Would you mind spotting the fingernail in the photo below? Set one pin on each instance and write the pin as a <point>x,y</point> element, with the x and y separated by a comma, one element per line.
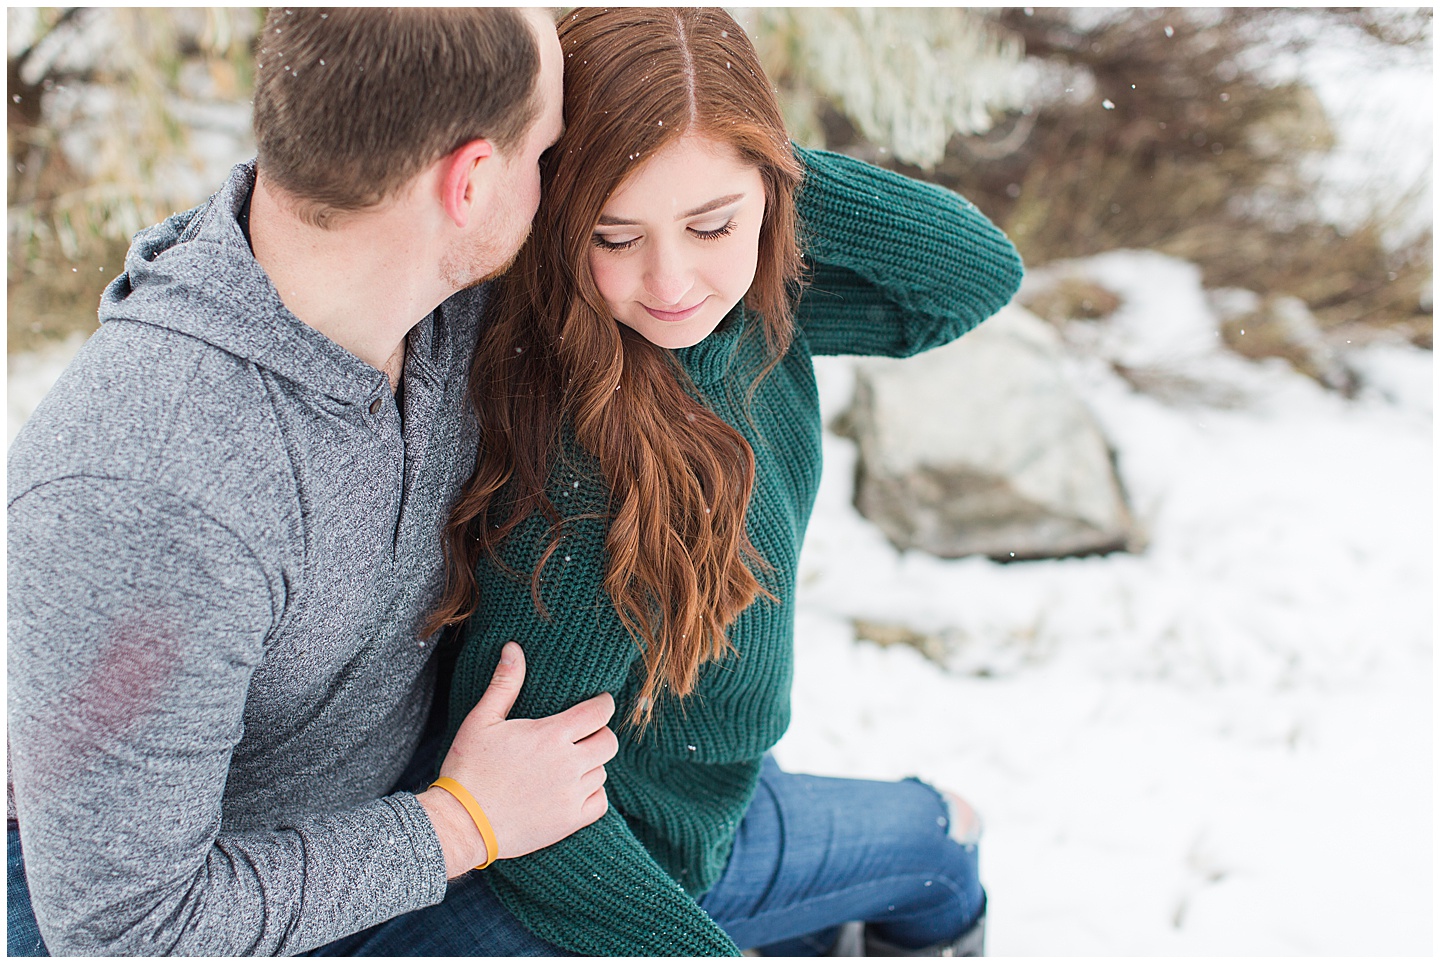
<point>507,654</point>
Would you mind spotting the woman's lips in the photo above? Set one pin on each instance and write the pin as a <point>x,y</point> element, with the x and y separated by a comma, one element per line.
<point>681,315</point>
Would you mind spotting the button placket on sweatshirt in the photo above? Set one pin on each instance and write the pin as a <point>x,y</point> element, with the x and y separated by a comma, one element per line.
<point>383,416</point>
<point>423,396</point>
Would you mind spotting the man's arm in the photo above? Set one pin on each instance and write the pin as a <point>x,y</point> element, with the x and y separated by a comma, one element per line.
<point>136,623</point>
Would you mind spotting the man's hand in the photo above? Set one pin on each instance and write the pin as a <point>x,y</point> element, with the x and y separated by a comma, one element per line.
<point>537,780</point>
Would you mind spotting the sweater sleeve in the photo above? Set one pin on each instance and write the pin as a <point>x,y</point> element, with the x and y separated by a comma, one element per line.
<point>136,622</point>
<point>898,265</point>
<point>598,891</point>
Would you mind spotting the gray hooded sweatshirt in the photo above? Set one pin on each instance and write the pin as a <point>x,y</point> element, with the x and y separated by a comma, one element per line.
<point>223,539</point>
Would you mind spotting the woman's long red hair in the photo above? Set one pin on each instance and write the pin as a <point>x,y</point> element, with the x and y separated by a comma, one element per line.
<point>680,566</point>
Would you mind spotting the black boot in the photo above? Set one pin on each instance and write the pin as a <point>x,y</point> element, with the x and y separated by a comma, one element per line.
<point>969,944</point>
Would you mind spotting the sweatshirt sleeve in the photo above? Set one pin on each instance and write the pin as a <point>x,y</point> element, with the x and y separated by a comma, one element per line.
<point>598,891</point>
<point>136,621</point>
<point>898,265</point>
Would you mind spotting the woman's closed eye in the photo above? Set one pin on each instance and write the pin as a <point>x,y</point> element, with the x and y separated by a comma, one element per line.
<point>701,231</point>
<point>608,244</point>
<point>713,233</point>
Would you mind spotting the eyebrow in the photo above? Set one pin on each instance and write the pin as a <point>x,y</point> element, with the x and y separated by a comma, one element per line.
<point>607,221</point>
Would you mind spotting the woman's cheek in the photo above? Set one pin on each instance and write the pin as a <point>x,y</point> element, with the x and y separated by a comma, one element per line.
<point>743,263</point>
<point>606,276</point>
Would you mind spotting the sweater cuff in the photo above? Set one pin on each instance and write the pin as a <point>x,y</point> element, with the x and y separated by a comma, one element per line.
<point>423,851</point>
<point>928,247</point>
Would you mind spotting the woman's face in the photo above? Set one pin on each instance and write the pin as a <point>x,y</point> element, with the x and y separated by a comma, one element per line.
<point>676,244</point>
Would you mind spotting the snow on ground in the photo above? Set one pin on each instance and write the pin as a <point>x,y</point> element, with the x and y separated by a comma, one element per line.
<point>1220,746</point>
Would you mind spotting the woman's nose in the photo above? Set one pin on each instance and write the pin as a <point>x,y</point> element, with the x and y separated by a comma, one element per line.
<point>668,279</point>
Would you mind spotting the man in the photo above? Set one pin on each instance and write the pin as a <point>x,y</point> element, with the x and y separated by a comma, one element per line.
<point>225,531</point>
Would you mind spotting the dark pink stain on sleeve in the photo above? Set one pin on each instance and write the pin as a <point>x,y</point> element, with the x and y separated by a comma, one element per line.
<point>109,704</point>
<point>137,659</point>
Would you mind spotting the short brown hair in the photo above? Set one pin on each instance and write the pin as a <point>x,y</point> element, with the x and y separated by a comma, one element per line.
<point>350,104</point>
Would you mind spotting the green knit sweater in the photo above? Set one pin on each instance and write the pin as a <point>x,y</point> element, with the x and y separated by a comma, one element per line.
<point>899,266</point>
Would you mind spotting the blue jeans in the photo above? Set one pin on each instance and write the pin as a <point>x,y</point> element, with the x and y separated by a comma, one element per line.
<point>22,937</point>
<point>815,852</point>
<point>811,854</point>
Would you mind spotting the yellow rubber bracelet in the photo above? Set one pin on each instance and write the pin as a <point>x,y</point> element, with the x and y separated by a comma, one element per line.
<point>482,822</point>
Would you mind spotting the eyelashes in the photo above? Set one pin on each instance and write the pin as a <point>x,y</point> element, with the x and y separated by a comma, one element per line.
<point>719,232</point>
<point>714,235</point>
<point>604,245</point>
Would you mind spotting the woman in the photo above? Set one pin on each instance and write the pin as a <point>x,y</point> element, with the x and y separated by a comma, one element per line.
<point>650,449</point>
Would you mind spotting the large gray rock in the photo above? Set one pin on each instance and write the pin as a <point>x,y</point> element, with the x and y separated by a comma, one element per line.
<point>981,448</point>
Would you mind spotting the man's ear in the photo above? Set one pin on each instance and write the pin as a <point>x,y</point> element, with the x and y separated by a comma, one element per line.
<point>464,168</point>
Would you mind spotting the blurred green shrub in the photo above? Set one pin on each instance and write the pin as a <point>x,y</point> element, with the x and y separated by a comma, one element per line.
<point>112,123</point>
<point>1143,128</point>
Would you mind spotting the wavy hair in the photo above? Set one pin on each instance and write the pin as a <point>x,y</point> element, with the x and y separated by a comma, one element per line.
<point>680,566</point>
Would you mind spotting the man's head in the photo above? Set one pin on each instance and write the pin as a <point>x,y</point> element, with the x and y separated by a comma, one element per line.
<point>491,205</point>
<point>352,104</point>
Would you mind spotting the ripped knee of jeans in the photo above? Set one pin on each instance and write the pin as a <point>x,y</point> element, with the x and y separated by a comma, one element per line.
<point>965,826</point>
<point>961,821</point>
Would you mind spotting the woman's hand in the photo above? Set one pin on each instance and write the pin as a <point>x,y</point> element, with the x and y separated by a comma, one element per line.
<point>538,781</point>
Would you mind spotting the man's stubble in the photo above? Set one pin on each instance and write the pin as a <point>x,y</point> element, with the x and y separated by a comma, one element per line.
<point>481,259</point>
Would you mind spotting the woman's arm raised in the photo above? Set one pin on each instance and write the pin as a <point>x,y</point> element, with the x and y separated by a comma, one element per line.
<point>900,265</point>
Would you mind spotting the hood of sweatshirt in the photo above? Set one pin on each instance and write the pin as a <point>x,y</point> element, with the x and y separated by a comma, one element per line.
<point>194,274</point>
